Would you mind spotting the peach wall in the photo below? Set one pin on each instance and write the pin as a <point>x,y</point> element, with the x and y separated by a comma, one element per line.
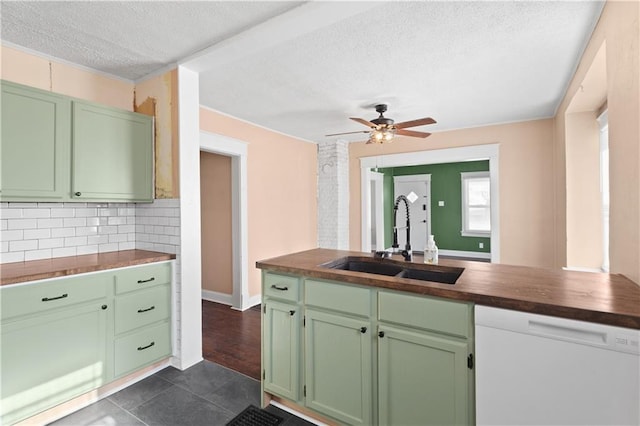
<point>526,182</point>
<point>584,205</point>
<point>619,29</point>
<point>162,92</point>
<point>282,189</point>
<point>215,208</point>
<point>31,70</point>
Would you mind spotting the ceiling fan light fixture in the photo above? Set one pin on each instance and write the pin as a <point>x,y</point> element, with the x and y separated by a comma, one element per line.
<point>382,135</point>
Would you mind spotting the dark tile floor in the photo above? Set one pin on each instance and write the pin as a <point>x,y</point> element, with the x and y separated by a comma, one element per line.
<point>205,394</point>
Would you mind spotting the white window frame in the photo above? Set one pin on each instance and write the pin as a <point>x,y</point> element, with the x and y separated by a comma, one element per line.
<point>464,177</point>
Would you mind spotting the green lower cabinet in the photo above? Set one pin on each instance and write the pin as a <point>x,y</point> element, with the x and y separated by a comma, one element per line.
<point>281,339</point>
<point>423,379</point>
<point>338,367</point>
<point>50,358</point>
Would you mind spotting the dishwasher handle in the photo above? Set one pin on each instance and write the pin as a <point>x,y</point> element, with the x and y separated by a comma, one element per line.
<point>570,333</point>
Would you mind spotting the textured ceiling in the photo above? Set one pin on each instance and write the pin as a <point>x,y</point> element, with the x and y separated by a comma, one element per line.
<point>304,69</point>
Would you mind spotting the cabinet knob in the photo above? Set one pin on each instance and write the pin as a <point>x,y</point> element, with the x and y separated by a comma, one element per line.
<point>363,330</point>
<point>292,313</point>
<point>104,307</point>
<point>381,334</point>
<point>77,194</point>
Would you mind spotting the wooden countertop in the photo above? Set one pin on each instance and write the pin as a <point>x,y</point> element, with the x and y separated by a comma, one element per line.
<point>12,273</point>
<point>595,297</point>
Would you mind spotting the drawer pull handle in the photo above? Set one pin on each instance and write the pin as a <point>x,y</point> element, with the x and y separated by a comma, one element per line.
<point>146,310</point>
<point>142,348</point>
<point>49,299</point>
<point>279,288</point>
<point>146,281</point>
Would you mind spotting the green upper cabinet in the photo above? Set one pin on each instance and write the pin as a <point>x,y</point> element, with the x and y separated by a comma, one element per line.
<point>112,154</point>
<point>56,148</point>
<point>35,144</point>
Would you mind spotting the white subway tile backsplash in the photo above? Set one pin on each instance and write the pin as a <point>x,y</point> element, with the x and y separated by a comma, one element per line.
<point>87,230</point>
<point>7,213</point>
<point>17,234</point>
<point>23,223</point>
<point>23,245</point>
<point>89,249</point>
<point>117,220</point>
<point>97,239</point>
<point>88,212</point>
<point>45,230</point>
<point>78,221</point>
<point>63,252</point>
<point>75,241</point>
<point>63,232</point>
<point>50,243</point>
<point>34,234</point>
<point>103,248</point>
<point>107,229</point>
<point>17,256</point>
<point>37,254</point>
<point>63,212</point>
<point>117,238</point>
<point>36,213</point>
<point>50,223</point>
<point>127,245</point>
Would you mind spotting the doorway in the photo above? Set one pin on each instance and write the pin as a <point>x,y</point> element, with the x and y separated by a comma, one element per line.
<point>419,209</point>
<point>488,152</point>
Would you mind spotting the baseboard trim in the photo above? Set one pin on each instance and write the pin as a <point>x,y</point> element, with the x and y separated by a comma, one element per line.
<point>254,300</point>
<point>214,296</point>
<point>581,269</point>
<point>460,253</point>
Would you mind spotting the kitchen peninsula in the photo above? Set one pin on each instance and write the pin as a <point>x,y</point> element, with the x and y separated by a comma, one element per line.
<point>353,339</point>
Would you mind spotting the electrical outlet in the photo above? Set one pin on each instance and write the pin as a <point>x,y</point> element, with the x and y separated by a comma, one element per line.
<point>440,203</point>
<point>480,245</point>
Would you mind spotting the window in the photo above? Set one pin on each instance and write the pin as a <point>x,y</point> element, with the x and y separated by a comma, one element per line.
<point>476,204</point>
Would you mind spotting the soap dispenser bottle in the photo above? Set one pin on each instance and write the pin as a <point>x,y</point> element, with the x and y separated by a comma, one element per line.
<point>431,251</point>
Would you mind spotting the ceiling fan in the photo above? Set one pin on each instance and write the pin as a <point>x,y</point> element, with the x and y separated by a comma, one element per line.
<point>383,129</point>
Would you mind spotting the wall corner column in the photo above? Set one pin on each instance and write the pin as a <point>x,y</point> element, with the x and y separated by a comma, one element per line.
<point>333,194</point>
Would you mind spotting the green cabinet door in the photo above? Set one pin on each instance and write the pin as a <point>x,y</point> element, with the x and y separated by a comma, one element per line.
<point>281,356</point>
<point>338,366</point>
<point>422,379</point>
<point>50,358</point>
<point>112,154</point>
<point>36,145</point>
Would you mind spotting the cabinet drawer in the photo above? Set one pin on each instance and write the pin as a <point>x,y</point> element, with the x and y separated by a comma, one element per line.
<point>339,297</point>
<point>136,278</point>
<point>142,308</point>
<point>427,313</point>
<point>50,294</point>
<point>141,348</point>
<point>281,286</point>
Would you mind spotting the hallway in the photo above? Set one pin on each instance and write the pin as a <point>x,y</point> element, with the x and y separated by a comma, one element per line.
<point>232,338</point>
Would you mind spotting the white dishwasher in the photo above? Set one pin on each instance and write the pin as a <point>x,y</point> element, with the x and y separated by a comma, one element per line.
<point>540,370</point>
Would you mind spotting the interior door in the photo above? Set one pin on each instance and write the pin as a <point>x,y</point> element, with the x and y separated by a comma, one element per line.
<point>419,210</point>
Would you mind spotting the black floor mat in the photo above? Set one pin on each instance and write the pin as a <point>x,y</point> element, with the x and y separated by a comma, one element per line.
<point>254,416</point>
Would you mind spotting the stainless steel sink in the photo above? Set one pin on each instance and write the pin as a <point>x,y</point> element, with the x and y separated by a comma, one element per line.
<point>393,268</point>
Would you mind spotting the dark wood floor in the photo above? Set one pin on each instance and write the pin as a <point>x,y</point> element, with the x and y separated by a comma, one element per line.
<point>232,338</point>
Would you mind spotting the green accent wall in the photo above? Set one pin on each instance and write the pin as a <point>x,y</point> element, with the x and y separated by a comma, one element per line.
<point>446,221</point>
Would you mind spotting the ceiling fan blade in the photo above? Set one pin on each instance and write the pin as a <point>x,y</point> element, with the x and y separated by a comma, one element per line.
<point>412,133</point>
<point>363,121</point>
<point>348,133</point>
<point>414,123</point>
